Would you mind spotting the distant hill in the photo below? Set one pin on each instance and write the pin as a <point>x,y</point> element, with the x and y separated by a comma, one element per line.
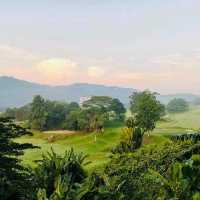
<point>15,92</point>
<point>166,98</point>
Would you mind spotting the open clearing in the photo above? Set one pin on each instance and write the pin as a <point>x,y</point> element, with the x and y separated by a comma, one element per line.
<point>99,151</point>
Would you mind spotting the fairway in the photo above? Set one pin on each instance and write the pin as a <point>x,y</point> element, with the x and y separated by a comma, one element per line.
<point>180,122</point>
<point>98,146</point>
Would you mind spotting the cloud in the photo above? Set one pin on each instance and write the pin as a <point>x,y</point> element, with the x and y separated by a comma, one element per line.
<point>95,72</point>
<point>23,64</point>
<point>165,72</point>
<point>57,70</point>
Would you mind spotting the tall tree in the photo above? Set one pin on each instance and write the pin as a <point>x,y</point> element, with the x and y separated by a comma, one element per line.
<point>118,108</point>
<point>146,109</point>
<point>13,176</point>
<point>38,114</point>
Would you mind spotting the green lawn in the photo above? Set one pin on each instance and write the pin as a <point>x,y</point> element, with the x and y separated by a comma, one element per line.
<point>180,122</point>
<point>98,151</point>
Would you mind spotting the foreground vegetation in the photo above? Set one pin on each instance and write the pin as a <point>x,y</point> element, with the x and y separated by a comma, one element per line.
<point>122,162</point>
<point>171,168</point>
<point>99,151</point>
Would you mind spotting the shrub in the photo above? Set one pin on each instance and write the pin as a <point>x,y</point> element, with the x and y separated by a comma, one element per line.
<point>135,169</point>
<point>193,137</point>
<point>131,140</point>
<point>56,172</point>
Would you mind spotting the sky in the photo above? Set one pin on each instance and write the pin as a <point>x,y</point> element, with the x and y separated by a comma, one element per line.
<point>143,44</point>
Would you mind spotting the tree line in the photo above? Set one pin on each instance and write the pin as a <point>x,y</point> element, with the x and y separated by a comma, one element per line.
<point>92,115</point>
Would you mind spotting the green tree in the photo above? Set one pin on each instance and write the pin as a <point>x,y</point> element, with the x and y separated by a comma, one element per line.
<point>72,121</point>
<point>106,105</point>
<point>146,109</point>
<point>56,113</point>
<point>102,102</point>
<point>118,108</point>
<point>23,113</point>
<point>177,105</point>
<point>38,115</point>
<point>20,114</point>
<point>73,106</point>
<point>10,112</point>
<point>14,180</point>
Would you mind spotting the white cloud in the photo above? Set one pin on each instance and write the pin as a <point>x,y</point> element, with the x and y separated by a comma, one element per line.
<point>95,72</point>
<point>55,66</point>
<point>57,70</point>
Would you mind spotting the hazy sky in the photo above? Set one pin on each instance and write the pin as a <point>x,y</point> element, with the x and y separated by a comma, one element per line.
<point>151,44</point>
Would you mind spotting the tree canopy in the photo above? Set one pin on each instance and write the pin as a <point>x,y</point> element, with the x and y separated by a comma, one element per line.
<point>42,114</point>
<point>177,105</point>
<point>146,109</point>
<point>46,114</point>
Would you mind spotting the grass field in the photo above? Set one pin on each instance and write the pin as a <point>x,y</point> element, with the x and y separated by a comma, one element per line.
<point>98,151</point>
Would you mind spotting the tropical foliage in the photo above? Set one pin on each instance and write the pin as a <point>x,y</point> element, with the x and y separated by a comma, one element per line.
<point>168,170</point>
<point>13,176</point>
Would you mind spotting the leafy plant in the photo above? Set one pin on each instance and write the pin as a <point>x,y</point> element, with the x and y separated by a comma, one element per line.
<point>58,175</point>
<point>131,140</point>
<point>14,177</point>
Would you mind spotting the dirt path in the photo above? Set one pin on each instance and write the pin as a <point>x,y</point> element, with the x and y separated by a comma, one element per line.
<point>61,132</point>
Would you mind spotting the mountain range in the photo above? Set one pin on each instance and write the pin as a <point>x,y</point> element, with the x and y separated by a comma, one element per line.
<point>15,92</point>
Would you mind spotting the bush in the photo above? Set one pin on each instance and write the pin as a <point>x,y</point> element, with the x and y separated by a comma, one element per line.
<point>134,170</point>
<point>131,140</point>
<point>194,137</point>
<point>55,172</point>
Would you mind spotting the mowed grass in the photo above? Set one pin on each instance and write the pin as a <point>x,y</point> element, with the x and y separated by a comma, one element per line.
<point>98,150</point>
<point>180,122</point>
<point>96,146</point>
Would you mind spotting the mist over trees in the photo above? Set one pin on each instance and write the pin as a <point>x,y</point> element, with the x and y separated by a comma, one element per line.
<point>196,101</point>
<point>177,105</point>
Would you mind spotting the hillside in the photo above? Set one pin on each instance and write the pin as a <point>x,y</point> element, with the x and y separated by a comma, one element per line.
<point>15,92</point>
